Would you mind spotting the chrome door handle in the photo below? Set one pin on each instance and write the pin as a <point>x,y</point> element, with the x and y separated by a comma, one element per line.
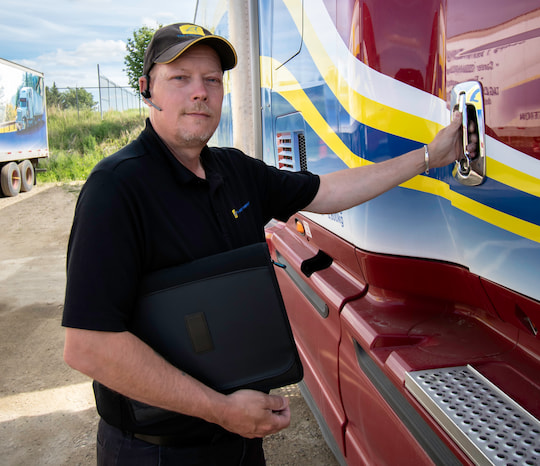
<point>467,97</point>
<point>464,164</point>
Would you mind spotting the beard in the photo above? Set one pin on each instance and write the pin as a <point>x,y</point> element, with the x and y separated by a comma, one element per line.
<point>196,137</point>
<point>199,133</point>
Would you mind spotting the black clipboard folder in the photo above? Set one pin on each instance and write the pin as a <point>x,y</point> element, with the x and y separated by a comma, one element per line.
<point>221,319</point>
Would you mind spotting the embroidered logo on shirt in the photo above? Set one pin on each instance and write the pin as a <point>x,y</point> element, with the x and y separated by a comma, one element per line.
<point>236,212</point>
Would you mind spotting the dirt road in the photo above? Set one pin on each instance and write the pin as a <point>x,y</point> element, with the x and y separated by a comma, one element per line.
<point>47,414</point>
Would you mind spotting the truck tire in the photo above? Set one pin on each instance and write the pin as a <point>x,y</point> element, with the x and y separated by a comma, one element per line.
<point>27,175</point>
<point>10,179</point>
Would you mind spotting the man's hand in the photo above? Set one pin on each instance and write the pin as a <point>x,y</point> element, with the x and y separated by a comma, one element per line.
<point>446,147</point>
<point>253,414</point>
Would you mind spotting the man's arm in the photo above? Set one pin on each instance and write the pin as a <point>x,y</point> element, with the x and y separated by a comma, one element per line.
<point>124,363</point>
<point>346,188</point>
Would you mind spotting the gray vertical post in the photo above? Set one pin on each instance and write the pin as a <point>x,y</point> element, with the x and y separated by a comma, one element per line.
<point>99,88</point>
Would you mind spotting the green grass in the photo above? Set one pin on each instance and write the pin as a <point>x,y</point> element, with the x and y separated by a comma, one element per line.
<point>77,141</point>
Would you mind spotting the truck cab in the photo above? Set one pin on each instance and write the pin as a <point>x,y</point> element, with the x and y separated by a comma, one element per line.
<point>416,314</point>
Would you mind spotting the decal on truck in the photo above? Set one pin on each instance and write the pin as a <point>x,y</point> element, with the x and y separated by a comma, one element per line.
<point>23,126</point>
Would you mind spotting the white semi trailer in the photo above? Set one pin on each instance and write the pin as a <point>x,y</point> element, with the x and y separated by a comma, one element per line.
<point>23,126</point>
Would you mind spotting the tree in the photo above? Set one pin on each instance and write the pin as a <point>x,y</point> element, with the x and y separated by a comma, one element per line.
<point>77,98</point>
<point>134,58</point>
<point>54,97</point>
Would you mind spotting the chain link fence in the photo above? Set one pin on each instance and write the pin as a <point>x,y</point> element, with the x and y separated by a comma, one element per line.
<point>108,96</point>
<point>114,97</point>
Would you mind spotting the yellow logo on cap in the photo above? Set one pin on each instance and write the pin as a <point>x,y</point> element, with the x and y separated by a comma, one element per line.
<point>191,29</point>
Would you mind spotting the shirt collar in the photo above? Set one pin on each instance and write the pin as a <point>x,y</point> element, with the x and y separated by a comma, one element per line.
<point>155,145</point>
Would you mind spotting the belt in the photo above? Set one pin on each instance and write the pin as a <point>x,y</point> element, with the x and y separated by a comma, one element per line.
<point>163,440</point>
<point>183,441</point>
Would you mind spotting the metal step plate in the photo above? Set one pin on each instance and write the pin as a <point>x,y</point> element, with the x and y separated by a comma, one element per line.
<point>490,427</point>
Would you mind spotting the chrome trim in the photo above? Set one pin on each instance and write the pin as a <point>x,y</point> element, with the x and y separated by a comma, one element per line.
<point>467,97</point>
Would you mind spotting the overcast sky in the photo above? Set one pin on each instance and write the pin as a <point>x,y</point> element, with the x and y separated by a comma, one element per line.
<point>67,39</point>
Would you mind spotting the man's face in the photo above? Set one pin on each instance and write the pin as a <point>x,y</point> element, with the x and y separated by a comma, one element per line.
<point>190,93</point>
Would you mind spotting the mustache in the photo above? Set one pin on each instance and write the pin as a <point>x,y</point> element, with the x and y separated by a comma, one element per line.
<point>199,107</point>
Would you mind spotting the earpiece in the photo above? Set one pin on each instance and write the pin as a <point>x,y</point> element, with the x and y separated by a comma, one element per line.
<point>146,93</point>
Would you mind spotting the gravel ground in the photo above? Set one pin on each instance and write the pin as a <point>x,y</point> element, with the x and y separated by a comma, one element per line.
<point>47,413</point>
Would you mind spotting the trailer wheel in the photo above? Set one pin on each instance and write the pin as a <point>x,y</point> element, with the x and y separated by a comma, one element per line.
<point>10,179</point>
<point>27,175</point>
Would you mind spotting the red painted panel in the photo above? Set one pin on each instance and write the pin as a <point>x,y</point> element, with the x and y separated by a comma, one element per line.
<point>435,44</point>
<point>407,314</point>
<point>403,331</point>
<point>405,45</point>
<point>496,43</point>
<point>317,337</point>
<point>375,434</point>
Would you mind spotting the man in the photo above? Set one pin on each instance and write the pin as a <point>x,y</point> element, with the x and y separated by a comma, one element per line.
<point>166,199</point>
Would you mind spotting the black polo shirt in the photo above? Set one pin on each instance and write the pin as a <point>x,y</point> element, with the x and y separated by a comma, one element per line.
<point>141,210</point>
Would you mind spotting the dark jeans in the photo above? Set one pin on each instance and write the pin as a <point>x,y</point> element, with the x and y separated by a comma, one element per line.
<point>117,448</point>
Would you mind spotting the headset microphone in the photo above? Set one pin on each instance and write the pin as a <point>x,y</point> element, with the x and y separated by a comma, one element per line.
<point>149,102</point>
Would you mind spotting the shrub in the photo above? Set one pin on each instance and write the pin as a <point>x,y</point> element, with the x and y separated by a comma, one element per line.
<point>78,140</point>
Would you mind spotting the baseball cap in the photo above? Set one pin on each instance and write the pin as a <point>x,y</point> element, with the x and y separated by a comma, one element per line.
<point>169,42</point>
